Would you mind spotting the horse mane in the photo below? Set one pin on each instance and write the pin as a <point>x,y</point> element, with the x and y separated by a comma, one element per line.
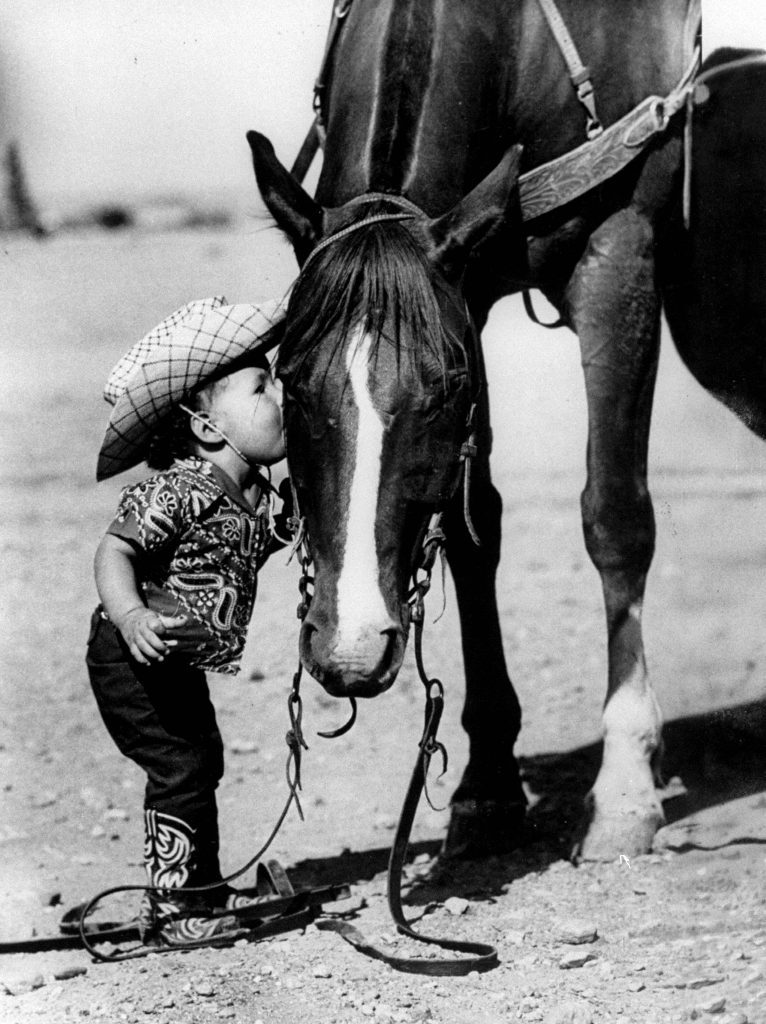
<point>377,277</point>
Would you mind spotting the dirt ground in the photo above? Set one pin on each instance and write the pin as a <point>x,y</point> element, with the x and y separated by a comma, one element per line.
<point>679,934</point>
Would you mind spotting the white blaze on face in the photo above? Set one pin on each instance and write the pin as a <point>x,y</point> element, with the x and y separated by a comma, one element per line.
<point>361,609</point>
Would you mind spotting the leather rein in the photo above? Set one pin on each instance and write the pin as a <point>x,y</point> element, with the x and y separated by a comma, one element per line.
<point>481,956</point>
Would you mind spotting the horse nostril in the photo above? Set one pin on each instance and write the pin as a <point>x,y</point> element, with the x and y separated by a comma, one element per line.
<point>365,665</point>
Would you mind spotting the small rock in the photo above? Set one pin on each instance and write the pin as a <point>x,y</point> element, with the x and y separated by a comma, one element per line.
<point>9,834</point>
<point>92,798</point>
<point>322,971</point>
<point>347,905</point>
<point>714,1005</point>
<point>243,747</point>
<point>20,986</point>
<point>515,936</point>
<point>98,832</point>
<point>72,971</point>
<point>456,905</point>
<point>47,799</point>
<point>576,933</point>
<point>570,1013</point>
<point>116,814</point>
<point>204,988</point>
<point>636,986</point>
<point>703,982</point>
<point>733,1018</point>
<point>52,899</point>
<point>572,960</point>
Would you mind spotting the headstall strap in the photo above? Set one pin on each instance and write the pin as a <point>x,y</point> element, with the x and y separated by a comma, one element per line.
<point>374,219</point>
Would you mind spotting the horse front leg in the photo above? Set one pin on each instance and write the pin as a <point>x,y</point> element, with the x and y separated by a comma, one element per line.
<point>488,806</point>
<point>613,305</point>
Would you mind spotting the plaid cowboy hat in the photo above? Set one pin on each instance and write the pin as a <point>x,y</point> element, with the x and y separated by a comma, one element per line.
<point>160,370</point>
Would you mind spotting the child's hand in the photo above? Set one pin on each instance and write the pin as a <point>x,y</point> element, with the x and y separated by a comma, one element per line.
<point>142,630</point>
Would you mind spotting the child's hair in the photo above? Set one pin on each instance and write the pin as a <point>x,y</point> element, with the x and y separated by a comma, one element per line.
<point>175,439</point>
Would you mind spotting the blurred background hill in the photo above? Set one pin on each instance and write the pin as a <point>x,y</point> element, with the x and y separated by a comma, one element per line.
<point>135,112</point>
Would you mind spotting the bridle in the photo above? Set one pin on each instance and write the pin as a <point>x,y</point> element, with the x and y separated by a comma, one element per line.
<point>433,535</point>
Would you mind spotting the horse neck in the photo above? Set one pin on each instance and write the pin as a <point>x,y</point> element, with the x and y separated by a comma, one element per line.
<point>426,94</point>
<point>408,98</point>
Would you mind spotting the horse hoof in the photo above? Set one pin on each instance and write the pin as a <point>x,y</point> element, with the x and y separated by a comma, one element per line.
<point>483,828</point>
<point>610,837</point>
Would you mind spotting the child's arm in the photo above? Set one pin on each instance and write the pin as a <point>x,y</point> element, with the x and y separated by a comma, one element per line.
<point>141,628</point>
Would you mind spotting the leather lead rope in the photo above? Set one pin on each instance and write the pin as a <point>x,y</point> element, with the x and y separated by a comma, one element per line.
<point>578,72</point>
<point>482,957</point>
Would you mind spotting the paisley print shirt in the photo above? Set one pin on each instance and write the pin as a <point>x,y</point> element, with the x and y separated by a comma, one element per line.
<point>200,547</point>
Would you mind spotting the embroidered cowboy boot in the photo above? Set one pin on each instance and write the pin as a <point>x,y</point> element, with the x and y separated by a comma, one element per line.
<point>207,868</point>
<point>172,917</point>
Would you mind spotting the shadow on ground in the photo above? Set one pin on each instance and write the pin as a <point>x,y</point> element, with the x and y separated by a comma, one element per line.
<point>708,760</point>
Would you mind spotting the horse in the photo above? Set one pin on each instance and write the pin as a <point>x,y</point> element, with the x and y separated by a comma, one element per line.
<point>432,111</point>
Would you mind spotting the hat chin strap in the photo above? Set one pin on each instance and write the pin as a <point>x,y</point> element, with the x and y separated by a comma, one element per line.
<point>263,481</point>
<point>227,440</point>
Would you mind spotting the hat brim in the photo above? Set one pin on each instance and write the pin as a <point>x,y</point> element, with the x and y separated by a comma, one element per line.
<point>202,347</point>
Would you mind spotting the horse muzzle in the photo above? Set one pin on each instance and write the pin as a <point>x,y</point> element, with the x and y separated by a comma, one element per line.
<point>363,663</point>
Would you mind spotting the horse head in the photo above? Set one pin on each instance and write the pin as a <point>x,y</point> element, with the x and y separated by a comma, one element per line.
<point>380,376</point>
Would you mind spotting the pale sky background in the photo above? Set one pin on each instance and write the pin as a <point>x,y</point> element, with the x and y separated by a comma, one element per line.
<point>110,98</point>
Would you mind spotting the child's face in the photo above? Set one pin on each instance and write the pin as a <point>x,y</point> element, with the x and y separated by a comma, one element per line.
<point>247,406</point>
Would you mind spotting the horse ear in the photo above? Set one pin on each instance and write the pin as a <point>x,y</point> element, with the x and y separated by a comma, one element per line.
<point>493,202</point>
<point>299,216</point>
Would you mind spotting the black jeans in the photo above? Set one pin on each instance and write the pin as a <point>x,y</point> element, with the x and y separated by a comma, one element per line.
<point>161,717</point>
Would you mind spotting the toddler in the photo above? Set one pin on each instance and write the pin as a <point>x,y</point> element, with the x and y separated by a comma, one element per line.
<point>176,573</point>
